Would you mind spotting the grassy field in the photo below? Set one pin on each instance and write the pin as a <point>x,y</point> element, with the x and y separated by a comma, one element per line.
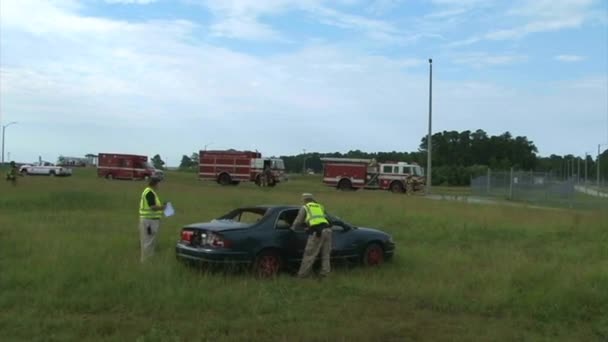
<point>70,271</point>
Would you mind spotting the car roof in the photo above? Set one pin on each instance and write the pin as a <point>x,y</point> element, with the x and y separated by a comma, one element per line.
<point>274,206</point>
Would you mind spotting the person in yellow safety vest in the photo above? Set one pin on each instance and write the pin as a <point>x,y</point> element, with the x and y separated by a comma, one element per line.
<point>312,215</point>
<point>11,175</point>
<point>150,213</point>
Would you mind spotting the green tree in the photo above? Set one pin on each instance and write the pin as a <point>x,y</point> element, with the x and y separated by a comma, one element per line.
<point>185,163</point>
<point>157,162</point>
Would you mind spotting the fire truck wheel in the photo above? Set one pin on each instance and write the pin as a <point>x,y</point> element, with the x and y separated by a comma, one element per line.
<point>345,185</point>
<point>397,187</point>
<point>225,179</point>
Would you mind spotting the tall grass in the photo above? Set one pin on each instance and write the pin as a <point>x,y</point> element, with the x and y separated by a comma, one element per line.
<point>69,270</point>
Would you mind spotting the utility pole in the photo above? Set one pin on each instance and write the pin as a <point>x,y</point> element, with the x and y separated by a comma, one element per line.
<point>4,134</point>
<point>598,167</point>
<point>578,170</point>
<point>585,168</point>
<point>429,143</point>
<point>304,161</point>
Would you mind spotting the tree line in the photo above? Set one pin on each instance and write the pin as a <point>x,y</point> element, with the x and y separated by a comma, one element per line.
<point>457,158</point>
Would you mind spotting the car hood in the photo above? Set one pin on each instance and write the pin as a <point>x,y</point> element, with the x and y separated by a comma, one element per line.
<point>372,230</point>
<point>219,225</point>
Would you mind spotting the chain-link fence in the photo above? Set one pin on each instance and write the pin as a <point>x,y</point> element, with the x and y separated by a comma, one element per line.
<point>537,188</point>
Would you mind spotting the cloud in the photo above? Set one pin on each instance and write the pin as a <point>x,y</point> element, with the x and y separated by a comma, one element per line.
<point>569,58</point>
<point>130,2</point>
<point>242,19</point>
<point>108,83</point>
<point>537,16</point>
<point>481,59</point>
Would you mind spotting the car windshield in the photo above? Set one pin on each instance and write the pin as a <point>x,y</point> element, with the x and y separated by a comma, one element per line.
<point>417,171</point>
<point>245,215</point>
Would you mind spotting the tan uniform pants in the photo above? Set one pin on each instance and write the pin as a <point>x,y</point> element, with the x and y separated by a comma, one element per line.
<point>148,231</point>
<point>314,245</point>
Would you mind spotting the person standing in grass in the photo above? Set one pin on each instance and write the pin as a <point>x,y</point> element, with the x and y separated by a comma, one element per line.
<point>150,213</point>
<point>312,215</point>
<point>11,175</point>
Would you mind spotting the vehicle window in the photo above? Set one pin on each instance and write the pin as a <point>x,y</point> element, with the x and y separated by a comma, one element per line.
<point>286,219</point>
<point>387,169</point>
<point>395,169</point>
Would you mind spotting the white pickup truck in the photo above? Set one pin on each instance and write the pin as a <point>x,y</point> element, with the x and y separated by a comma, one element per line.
<point>44,169</point>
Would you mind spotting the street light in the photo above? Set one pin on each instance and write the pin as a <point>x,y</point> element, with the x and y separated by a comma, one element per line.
<point>3,134</point>
<point>429,145</point>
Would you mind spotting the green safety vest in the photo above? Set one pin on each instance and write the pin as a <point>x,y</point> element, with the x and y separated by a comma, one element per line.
<point>315,214</point>
<point>144,209</point>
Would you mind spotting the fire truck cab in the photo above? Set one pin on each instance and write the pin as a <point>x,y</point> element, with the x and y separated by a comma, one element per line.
<point>350,173</point>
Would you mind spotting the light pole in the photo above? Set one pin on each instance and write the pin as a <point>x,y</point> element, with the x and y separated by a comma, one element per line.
<point>304,162</point>
<point>429,143</point>
<point>598,165</point>
<point>586,155</point>
<point>3,134</point>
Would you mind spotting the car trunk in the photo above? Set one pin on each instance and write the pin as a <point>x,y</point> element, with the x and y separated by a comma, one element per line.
<point>210,235</point>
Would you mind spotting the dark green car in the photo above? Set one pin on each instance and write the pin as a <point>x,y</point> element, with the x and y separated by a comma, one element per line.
<point>260,237</point>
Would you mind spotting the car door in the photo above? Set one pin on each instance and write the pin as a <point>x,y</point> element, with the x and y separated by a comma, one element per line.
<point>344,242</point>
<point>293,242</point>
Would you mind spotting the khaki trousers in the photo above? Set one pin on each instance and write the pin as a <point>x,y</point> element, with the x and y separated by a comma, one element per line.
<point>148,231</point>
<point>314,245</point>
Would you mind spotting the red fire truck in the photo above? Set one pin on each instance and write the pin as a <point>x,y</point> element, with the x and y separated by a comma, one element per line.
<point>125,166</point>
<point>351,173</point>
<point>232,167</point>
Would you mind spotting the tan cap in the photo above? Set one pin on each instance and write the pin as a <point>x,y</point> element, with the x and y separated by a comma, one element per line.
<point>307,195</point>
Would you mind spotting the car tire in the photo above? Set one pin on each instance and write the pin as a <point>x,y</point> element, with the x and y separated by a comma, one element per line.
<point>24,172</point>
<point>267,264</point>
<point>373,255</point>
<point>52,173</point>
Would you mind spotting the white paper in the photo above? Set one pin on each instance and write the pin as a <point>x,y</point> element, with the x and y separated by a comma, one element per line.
<point>169,211</point>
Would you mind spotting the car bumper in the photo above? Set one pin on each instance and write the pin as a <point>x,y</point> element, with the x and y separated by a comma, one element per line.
<point>210,255</point>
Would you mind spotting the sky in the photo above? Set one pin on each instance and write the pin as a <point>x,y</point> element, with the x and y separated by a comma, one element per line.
<point>283,76</point>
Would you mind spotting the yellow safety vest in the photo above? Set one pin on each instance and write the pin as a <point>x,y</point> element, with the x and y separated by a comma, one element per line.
<point>315,214</point>
<point>144,209</point>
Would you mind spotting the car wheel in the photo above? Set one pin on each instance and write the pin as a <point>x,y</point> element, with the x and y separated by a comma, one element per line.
<point>397,187</point>
<point>52,174</point>
<point>373,255</point>
<point>24,172</point>
<point>267,264</point>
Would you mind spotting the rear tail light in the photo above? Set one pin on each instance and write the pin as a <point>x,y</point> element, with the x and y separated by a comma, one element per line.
<point>205,239</point>
<point>187,235</point>
<point>216,240</point>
